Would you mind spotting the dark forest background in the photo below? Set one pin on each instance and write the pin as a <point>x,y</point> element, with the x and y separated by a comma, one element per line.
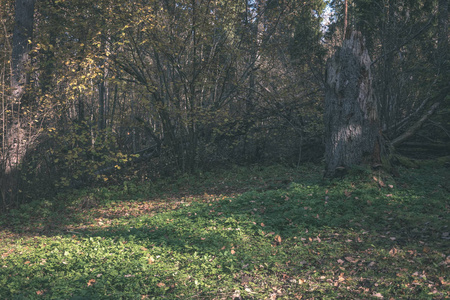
<point>92,89</point>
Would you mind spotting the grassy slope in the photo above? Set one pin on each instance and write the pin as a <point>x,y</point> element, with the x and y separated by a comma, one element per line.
<point>261,233</point>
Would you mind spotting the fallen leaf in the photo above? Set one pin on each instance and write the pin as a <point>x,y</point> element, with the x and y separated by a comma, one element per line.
<point>151,260</point>
<point>379,181</point>
<point>340,261</point>
<point>393,251</point>
<point>378,295</point>
<point>277,239</point>
<point>262,225</point>
<point>91,282</point>
<point>161,284</point>
<point>232,251</point>
<point>351,259</point>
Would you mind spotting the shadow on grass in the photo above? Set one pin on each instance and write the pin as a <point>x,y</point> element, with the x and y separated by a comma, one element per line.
<point>260,240</point>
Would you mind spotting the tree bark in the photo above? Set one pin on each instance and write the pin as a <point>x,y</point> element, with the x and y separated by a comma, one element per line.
<point>21,46</point>
<point>351,118</point>
<point>443,34</point>
<point>345,18</point>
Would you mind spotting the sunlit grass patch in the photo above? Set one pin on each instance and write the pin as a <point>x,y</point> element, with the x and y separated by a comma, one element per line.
<point>303,238</point>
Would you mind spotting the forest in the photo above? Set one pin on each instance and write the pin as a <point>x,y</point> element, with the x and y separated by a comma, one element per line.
<point>143,131</point>
<point>181,86</point>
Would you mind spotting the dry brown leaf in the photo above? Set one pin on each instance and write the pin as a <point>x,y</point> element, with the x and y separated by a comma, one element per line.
<point>277,239</point>
<point>351,259</point>
<point>91,282</point>
<point>378,295</point>
<point>393,251</point>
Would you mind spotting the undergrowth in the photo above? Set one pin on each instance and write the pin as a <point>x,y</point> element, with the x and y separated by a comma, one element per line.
<point>247,233</point>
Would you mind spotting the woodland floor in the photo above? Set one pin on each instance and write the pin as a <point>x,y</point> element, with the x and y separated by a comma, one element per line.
<point>244,233</point>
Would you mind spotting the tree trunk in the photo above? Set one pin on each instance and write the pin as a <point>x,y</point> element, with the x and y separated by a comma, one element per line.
<point>345,18</point>
<point>17,137</point>
<point>351,119</point>
<point>443,34</point>
<point>21,46</point>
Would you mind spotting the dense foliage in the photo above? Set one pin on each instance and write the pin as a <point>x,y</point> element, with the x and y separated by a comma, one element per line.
<point>180,86</point>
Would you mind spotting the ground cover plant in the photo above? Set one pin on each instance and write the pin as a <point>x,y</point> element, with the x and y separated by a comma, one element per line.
<point>245,233</point>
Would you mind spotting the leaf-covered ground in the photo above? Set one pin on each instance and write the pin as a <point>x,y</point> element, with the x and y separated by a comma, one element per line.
<point>245,233</point>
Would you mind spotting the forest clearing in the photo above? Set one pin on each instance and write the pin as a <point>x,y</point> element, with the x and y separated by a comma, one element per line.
<point>224,149</point>
<point>244,233</point>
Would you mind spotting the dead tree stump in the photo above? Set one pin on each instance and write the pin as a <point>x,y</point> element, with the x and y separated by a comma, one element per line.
<point>351,118</point>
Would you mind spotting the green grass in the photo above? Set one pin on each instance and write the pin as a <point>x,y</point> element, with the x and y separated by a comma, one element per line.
<point>261,233</point>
